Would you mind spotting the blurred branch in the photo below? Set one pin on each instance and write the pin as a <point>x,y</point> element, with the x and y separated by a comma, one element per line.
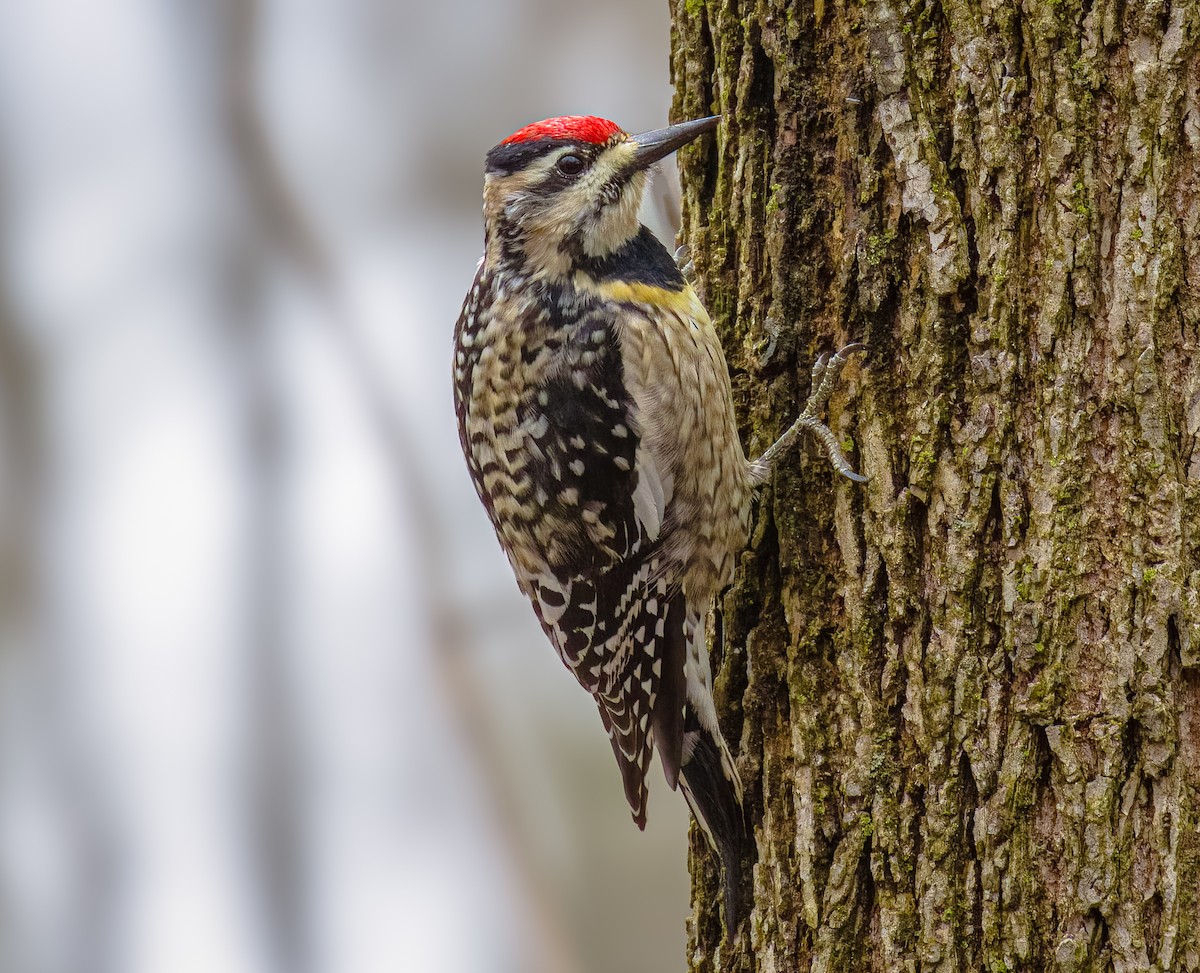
<point>20,408</point>
<point>287,227</point>
<point>275,764</point>
<point>35,678</point>
<point>21,452</point>
<point>20,465</point>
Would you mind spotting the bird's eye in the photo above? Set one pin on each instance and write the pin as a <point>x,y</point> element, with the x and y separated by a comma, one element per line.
<point>570,165</point>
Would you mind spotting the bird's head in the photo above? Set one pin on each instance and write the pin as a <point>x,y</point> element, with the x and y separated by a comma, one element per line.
<point>568,189</point>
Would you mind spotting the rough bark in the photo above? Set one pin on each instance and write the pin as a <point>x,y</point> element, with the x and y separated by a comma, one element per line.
<point>967,694</point>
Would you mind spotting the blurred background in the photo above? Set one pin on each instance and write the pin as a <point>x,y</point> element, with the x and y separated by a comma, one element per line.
<point>269,697</point>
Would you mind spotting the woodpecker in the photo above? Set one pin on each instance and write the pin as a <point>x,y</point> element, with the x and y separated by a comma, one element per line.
<point>596,417</point>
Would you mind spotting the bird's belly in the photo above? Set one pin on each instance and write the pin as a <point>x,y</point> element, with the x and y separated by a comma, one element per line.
<point>709,522</point>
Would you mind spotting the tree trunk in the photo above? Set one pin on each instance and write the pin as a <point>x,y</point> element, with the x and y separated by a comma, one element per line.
<point>967,694</point>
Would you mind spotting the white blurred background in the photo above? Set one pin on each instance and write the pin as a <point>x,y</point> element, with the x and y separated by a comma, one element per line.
<point>269,697</point>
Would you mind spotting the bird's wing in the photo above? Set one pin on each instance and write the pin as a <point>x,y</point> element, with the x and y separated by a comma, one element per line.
<point>621,632</point>
<point>608,599</point>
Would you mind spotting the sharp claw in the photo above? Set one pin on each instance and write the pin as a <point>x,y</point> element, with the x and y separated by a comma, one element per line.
<point>836,456</point>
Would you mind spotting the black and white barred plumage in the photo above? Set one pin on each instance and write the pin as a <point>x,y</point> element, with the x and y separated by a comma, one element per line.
<point>596,417</point>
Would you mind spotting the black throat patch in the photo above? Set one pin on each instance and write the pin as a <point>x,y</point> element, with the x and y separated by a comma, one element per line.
<point>641,260</point>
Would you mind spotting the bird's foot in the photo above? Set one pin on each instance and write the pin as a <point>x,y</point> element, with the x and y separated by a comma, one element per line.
<point>827,369</point>
<point>685,263</point>
<point>825,374</point>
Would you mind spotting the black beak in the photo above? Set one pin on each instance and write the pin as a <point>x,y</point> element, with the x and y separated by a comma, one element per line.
<point>652,146</point>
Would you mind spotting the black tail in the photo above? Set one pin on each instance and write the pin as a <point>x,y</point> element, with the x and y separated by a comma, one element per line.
<point>713,791</point>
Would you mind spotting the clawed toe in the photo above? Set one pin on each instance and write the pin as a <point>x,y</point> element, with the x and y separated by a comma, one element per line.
<point>684,262</point>
<point>825,373</point>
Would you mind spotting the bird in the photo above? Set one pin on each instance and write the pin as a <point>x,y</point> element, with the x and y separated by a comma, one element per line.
<point>596,416</point>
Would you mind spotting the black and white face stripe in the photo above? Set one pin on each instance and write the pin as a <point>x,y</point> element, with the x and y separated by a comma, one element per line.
<point>506,159</point>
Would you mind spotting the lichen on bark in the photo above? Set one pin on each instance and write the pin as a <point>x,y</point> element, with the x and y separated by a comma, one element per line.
<point>966,695</point>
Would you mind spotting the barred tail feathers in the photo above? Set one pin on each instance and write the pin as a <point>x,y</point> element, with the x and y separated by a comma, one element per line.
<point>710,781</point>
<point>650,676</point>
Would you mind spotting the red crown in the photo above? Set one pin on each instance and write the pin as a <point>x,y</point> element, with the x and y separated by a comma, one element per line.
<point>574,128</point>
